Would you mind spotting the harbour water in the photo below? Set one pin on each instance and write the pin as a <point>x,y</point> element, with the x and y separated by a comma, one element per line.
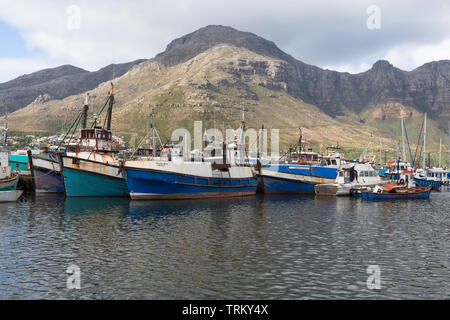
<point>257,247</point>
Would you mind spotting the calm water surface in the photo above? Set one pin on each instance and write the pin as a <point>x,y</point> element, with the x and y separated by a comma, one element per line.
<point>277,247</point>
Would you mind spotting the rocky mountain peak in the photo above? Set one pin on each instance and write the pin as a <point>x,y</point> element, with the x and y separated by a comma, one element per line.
<point>382,65</point>
<point>192,44</point>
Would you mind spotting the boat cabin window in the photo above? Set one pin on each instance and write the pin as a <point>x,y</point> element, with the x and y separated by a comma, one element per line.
<point>341,174</point>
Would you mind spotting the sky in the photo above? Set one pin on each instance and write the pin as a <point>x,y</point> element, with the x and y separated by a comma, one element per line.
<point>340,35</point>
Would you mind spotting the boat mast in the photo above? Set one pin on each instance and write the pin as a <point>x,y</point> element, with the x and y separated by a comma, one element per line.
<point>381,161</point>
<point>440,151</point>
<point>241,141</point>
<point>261,143</point>
<point>153,134</point>
<point>403,137</point>
<point>424,140</point>
<point>241,137</point>
<point>111,103</point>
<point>300,145</point>
<point>85,111</point>
<point>5,129</point>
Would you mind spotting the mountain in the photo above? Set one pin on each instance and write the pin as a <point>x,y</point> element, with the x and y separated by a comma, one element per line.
<point>216,71</point>
<point>55,83</point>
<point>426,88</point>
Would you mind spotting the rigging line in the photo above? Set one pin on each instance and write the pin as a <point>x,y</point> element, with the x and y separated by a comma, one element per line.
<point>136,149</point>
<point>418,141</point>
<point>407,140</point>
<point>75,128</point>
<point>107,100</point>
<point>142,140</point>
<point>75,121</point>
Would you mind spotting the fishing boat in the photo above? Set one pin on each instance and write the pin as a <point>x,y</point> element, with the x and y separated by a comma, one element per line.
<point>405,190</point>
<point>159,179</point>
<point>431,177</point>
<point>426,176</point>
<point>218,172</point>
<point>46,172</point>
<point>434,176</point>
<point>393,170</point>
<point>293,178</point>
<point>288,177</point>
<point>92,174</point>
<point>379,193</point>
<point>352,177</point>
<point>90,168</point>
<point>8,178</point>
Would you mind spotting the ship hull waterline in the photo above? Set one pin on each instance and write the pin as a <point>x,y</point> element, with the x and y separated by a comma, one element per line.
<point>144,184</point>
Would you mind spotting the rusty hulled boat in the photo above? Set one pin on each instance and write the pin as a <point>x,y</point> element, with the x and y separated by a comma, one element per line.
<point>90,169</point>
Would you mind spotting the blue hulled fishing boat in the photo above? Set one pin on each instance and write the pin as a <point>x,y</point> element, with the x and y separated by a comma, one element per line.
<point>164,179</point>
<point>298,171</point>
<point>428,178</point>
<point>294,178</point>
<point>46,172</point>
<point>219,172</point>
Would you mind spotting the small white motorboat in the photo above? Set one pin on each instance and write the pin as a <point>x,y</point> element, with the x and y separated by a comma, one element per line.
<point>350,177</point>
<point>10,196</point>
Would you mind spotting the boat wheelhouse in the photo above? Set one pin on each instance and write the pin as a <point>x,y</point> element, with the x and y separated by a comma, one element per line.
<point>431,177</point>
<point>395,169</point>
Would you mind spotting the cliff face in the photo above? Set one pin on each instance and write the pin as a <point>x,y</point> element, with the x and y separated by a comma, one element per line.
<point>55,83</point>
<point>426,88</point>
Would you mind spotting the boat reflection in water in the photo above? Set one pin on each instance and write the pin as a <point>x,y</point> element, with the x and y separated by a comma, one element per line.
<point>75,205</point>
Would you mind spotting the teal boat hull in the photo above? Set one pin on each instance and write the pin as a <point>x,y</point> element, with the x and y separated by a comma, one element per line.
<point>80,183</point>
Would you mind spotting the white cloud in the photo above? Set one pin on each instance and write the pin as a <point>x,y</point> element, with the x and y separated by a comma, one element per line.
<point>351,68</point>
<point>326,33</point>
<point>411,56</point>
<point>11,68</point>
